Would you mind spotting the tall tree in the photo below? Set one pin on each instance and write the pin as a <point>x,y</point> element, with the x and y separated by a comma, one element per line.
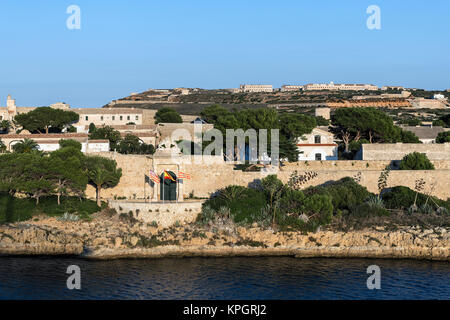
<point>68,171</point>
<point>108,133</point>
<point>167,115</point>
<point>102,173</point>
<point>45,118</point>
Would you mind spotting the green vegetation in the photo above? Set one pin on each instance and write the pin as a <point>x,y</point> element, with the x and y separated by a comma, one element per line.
<point>443,137</point>
<point>373,125</point>
<point>5,125</point>
<point>14,209</point>
<point>25,146</point>
<point>343,204</point>
<point>46,119</point>
<point>291,125</point>
<point>167,115</point>
<point>416,161</point>
<point>52,181</point>
<point>130,144</point>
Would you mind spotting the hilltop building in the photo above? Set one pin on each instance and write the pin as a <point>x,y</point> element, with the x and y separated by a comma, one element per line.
<point>256,88</point>
<point>337,86</point>
<point>286,88</point>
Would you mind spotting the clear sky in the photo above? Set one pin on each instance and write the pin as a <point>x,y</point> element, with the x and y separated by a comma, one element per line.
<point>130,46</point>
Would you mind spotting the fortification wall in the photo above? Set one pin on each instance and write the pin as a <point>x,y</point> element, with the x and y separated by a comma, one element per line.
<point>207,177</point>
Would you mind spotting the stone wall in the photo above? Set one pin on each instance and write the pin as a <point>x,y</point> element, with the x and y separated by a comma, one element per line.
<point>396,151</point>
<point>164,214</point>
<point>213,174</point>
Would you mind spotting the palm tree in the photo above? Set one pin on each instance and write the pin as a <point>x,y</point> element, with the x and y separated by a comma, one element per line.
<point>5,125</point>
<point>25,146</point>
<point>2,147</point>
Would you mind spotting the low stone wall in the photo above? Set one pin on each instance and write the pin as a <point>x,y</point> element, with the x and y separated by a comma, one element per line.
<point>164,214</point>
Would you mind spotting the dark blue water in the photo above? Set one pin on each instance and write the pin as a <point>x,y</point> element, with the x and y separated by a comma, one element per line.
<point>223,278</point>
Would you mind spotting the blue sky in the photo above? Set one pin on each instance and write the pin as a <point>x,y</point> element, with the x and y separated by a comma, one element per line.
<point>130,46</point>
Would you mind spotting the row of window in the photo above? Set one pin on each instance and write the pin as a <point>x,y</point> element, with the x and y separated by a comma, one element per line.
<point>114,118</point>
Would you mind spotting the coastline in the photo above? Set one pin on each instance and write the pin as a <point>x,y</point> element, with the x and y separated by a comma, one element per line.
<point>107,239</point>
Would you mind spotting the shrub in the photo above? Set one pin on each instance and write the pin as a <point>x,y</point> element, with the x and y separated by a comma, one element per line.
<point>416,161</point>
<point>443,137</point>
<point>19,209</point>
<point>403,197</point>
<point>245,204</point>
<point>345,193</point>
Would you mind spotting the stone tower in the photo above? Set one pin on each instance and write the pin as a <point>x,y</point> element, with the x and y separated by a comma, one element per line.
<point>11,106</point>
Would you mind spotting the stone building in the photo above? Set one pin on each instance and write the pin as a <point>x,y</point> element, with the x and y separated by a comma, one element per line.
<point>424,133</point>
<point>338,86</point>
<point>256,88</point>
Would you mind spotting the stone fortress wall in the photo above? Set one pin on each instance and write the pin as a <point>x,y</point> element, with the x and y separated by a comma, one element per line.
<point>213,173</point>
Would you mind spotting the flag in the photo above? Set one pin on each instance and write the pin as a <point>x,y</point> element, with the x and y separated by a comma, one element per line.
<point>154,177</point>
<point>182,175</point>
<point>168,176</point>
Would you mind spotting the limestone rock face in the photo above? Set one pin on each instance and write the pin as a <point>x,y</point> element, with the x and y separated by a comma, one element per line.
<point>106,238</point>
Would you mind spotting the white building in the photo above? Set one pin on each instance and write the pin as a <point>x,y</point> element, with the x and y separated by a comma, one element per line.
<point>285,88</point>
<point>256,88</point>
<point>318,145</point>
<point>339,86</point>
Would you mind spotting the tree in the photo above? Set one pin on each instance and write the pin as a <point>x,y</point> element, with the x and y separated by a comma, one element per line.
<point>416,161</point>
<point>2,147</point>
<point>102,173</point>
<point>167,115</point>
<point>5,125</point>
<point>92,127</point>
<point>36,173</point>
<point>443,137</point>
<point>131,144</point>
<point>273,187</point>
<point>108,133</point>
<point>64,143</point>
<point>353,124</point>
<point>68,169</point>
<point>42,119</point>
<point>25,146</point>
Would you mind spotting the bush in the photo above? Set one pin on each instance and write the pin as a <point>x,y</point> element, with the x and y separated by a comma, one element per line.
<point>416,161</point>
<point>443,137</point>
<point>20,209</point>
<point>345,193</point>
<point>403,197</point>
<point>245,204</point>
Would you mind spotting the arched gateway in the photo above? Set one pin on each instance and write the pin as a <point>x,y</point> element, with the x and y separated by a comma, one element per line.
<point>168,186</point>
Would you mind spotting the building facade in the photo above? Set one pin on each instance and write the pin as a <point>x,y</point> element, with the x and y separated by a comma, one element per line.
<point>256,88</point>
<point>338,86</point>
<point>317,146</point>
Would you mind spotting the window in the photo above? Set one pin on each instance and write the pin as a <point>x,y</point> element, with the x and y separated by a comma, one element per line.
<point>121,117</point>
<point>137,117</point>
<point>316,139</point>
<point>87,118</point>
<point>114,118</point>
<point>318,156</point>
<point>101,118</point>
<point>128,117</point>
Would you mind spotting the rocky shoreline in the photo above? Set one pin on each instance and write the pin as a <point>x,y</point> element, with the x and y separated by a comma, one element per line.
<point>110,238</point>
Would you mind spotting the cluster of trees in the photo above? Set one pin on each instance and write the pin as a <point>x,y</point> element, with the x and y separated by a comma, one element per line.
<point>367,125</point>
<point>443,137</point>
<point>130,144</point>
<point>46,120</point>
<point>291,125</point>
<point>416,161</point>
<point>64,172</point>
<point>5,126</point>
<point>167,115</point>
<point>443,121</point>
